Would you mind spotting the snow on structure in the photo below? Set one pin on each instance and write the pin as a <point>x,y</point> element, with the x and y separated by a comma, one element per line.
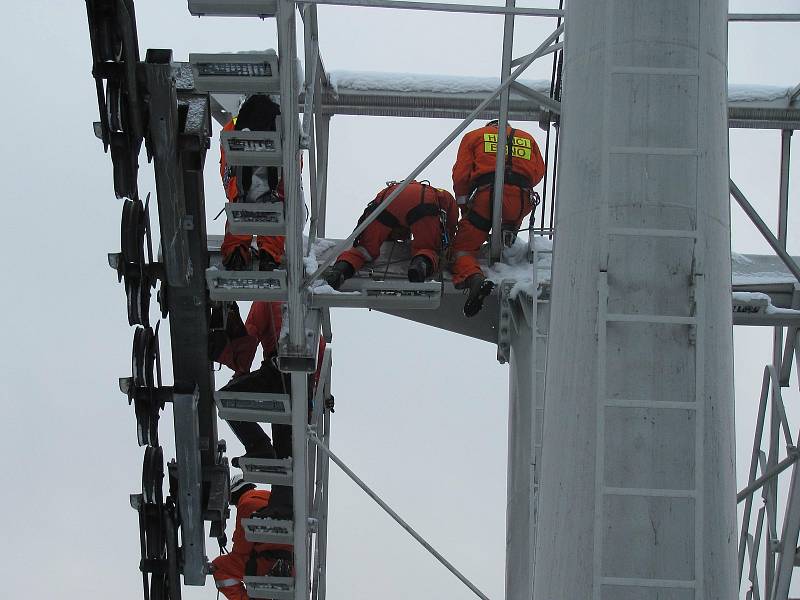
<point>419,82</point>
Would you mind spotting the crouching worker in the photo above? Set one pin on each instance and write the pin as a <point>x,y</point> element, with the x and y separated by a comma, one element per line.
<point>236,347</point>
<point>423,213</point>
<point>252,184</point>
<point>248,558</point>
<point>473,183</point>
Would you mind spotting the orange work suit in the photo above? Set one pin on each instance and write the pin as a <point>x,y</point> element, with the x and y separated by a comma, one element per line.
<point>415,212</point>
<point>474,172</point>
<point>229,569</point>
<point>274,245</point>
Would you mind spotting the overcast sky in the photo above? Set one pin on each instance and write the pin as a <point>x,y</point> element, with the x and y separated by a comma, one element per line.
<point>421,414</point>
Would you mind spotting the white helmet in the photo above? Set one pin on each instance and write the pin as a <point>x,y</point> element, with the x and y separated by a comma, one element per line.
<point>238,484</point>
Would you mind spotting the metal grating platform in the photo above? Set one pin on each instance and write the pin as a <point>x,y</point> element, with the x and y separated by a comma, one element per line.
<point>250,73</point>
<point>252,148</point>
<point>246,285</point>
<point>276,588</point>
<point>275,471</point>
<point>256,218</point>
<point>379,295</point>
<point>233,8</point>
<point>268,531</point>
<point>253,407</point>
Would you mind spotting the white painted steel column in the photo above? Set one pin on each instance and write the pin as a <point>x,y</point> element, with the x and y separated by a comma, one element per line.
<point>637,497</point>
<point>526,409</point>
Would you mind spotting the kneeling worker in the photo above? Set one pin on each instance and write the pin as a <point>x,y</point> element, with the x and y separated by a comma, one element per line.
<point>248,558</point>
<point>426,214</point>
<point>473,183</point>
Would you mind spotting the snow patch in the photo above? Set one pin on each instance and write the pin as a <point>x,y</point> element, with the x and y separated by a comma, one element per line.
<point>757,93</point>
<point>421,82</point>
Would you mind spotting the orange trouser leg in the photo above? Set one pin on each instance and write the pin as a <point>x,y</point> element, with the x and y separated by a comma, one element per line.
<point>231,242</point>
<point>468,238</point>
<point>272,244</point>
<point>369,244</point>
<point>426,239</point>
<point>228,575</point>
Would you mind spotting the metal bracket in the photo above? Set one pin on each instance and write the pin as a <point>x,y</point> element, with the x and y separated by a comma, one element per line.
<point>379,295</point>
<point>303,358</point>
<point>254,407</point>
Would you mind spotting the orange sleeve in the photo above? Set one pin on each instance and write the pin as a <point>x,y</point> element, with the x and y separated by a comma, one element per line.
<point>264,322</point>
<point>462,170</point>
<point>538,165</point>
<point>248,504</point>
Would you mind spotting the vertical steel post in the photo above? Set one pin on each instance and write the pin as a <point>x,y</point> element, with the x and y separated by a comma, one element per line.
<point>777,346</point>
<point>323,136</point>
<point>287,54</point>
<point>300,489</point>
<point>499,179</point>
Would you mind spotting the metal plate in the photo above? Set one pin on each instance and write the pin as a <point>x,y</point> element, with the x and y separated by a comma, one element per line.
<point>233,8</point>
<point>268,531</point>
<point>255,72</point>
<point>246,285</point>
<point>273,471</point>
<point>254,407</point>
<point>277,588</point>
<point>380,295</point>
<point>255,218</point>
<point>252,148</point>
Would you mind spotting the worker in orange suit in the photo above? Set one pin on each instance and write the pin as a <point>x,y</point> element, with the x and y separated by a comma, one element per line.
<point>473,184</point>
<point>248,558</point>
<point>234,344</point>
<point>252,184</point>
<point>421,212</point>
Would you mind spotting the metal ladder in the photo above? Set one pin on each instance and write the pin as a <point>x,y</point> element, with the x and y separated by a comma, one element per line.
<point>297,353</point>
<point>625,499</point>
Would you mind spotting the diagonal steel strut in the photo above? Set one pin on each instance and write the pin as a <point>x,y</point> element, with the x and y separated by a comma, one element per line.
<point>313,437</point>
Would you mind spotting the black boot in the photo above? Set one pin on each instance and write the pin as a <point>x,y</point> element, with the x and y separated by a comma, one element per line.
<point>266,452</point>
<point>339,273</point>
<point>266,262</point>
<point>419,269</point>
<point>479,288</point>
<point>280,505</point>
<point>239,260</point>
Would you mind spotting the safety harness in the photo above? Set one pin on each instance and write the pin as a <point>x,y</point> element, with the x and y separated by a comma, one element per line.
<point>521,182</point>
<point>420,211</point>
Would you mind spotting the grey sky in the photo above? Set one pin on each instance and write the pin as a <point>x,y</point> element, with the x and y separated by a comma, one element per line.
<point>421,414</point>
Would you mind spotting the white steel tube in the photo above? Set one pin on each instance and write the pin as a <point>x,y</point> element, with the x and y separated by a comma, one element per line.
<point>429,159</point>
<point>299,394</point>
<point>496,248</point>
<point>445,7</point>
<point>638,498</point>
<point>287,54</point>
<point>765,17</point>
<point>396,517</point>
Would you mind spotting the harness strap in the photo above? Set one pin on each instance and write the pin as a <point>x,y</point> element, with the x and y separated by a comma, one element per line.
<point>510,178</point>
<point>479,222</point>
<point>420,211</point>
<point>251,567</point>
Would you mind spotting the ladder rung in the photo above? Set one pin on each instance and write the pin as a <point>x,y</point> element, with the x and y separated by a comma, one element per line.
<point>641,582</point>
<point>268,531</point>
<point>252,148</point>
<point>246,285</point>
<point>255,218</point>
<point>236,73</point>
<point>233,8</point>
<point>654,150</point>
<point>380,295</point>
<point>648,492</point>
<point>254,407</point>
<point>273,471</point>
<point>277,588</point>
<point>644,232</point>
<point>627,403</point>
<point>662,319</point>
